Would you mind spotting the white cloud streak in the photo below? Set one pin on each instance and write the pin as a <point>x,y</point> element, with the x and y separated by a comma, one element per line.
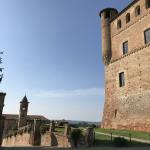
<point>70,93</point>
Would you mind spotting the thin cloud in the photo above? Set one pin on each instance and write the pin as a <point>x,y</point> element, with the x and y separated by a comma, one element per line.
<point>71,93</point>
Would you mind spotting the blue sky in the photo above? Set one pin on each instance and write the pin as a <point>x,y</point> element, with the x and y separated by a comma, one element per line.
<point>53,54</point>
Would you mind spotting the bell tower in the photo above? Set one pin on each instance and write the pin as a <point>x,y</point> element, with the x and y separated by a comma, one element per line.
<point>23,112</point>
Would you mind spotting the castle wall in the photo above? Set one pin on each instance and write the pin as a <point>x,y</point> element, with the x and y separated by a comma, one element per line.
<point>46,139</point>
<point>54,139</point>
<point>8,125</point>
<point>18,140</point>
<point>133,32</point>
<point>63,141</point>
<point>131,101</point>
<point>128,107</point>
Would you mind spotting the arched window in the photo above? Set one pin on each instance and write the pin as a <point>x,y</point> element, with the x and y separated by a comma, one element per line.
<point>147,3</point>
<point>128,17</point>
<point>137,11</point>
<point>119,24</point>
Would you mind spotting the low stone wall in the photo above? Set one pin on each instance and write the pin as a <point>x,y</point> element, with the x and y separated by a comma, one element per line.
<point>63,141</point>
<point>18,140</point>
<point>55,139</point>
<point>46,139</point>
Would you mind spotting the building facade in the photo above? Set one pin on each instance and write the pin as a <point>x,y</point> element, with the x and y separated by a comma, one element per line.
<point>16,121</point>
<point>2,98</point>
<point>126,56</point>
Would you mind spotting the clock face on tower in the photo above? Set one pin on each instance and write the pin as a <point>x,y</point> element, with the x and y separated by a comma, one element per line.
<point>23,108</point>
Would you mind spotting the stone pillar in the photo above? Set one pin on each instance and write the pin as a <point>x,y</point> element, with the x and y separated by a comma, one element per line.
<point>90,136</point>
<point>67,130</point>
<point>2,119</point>
<point>52,127</point>
<point>36,132</point>
<point>2,129</point>
<point>2,98</point>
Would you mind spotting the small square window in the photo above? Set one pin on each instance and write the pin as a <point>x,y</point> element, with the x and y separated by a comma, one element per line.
<point>121,79</point>
<point>147,36</point>
<point>125,47</point>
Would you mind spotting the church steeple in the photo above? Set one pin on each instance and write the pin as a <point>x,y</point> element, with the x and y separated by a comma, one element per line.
<point>23,112</point>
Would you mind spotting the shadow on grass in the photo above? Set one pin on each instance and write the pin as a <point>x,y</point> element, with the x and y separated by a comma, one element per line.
<point>106,143</point>
<point>103,143</point>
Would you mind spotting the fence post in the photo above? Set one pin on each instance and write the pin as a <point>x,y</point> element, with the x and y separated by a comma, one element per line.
<point>111,136</point>
<point>130,136</point>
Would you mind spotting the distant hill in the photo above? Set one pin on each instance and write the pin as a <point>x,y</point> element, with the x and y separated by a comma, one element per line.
<point>88,122</point>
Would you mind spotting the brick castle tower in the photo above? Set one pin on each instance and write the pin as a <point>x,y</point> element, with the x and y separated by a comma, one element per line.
<point>126,56</point>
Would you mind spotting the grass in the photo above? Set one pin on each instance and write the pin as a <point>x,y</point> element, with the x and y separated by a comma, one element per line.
<point>104,140</point>
<point>59,130</point>
<point>134,134</point>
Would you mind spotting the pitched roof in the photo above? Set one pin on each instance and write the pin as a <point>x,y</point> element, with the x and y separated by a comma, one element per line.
<point>29,117</point>
<point>24,100</point>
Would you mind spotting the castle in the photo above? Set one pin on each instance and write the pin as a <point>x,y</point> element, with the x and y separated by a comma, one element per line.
<point>126,56</point>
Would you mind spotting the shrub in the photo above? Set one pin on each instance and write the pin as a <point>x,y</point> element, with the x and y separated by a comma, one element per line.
<point>25,130</point>
<point>93,125</point>
<point>74,125</point>
<point>14,128</point>
<point>20,132</point>
<point>75,136</point>
<point>10,135</point>
<point>15,133</point>
<point>44,128</point>
<point>29,130</point>
<point>120,142</point>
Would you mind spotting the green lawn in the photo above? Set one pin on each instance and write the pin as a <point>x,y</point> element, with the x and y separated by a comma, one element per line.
<point>103,140</point>
<point>134,134</point>
<point>59,130</point>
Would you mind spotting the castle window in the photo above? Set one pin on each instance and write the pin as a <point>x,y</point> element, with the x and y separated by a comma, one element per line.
<point>125,47</point>
<point>119,24</point>
<point>137,11</point>
<point>147,36</point>
<point>128,18</point>
<point>147,3</point>
<point>107,14</point>
<point>121,79</point>
<point>115,113</point>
